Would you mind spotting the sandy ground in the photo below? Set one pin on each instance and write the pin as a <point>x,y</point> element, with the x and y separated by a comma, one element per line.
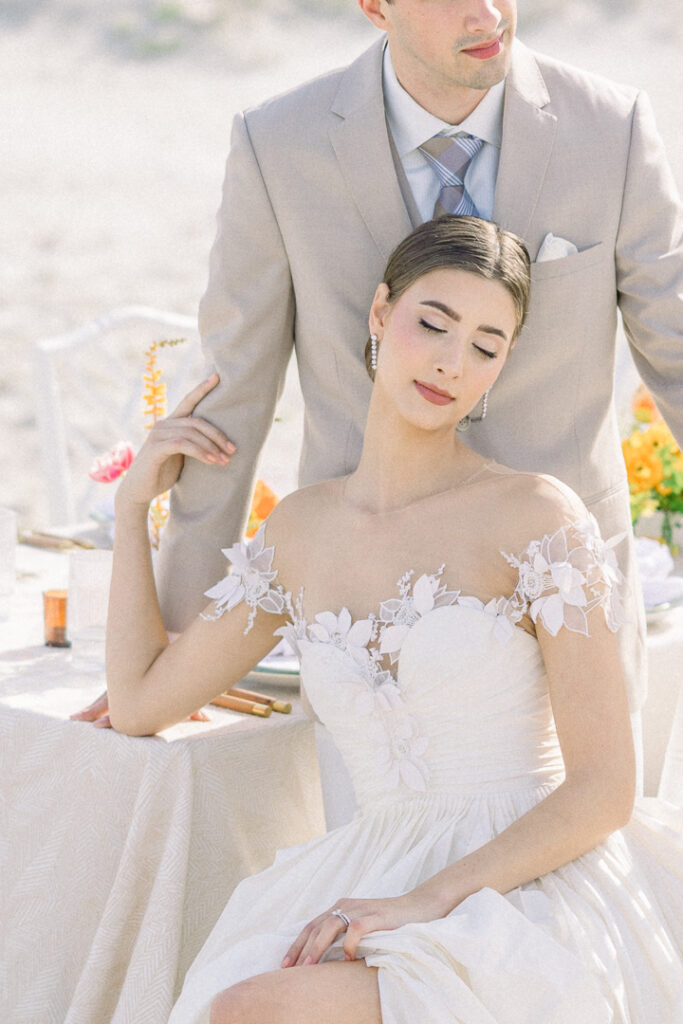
<point>114,126</point>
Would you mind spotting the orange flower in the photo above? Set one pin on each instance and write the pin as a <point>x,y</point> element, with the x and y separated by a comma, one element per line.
<point>263,503</point>
<point>644,408</point>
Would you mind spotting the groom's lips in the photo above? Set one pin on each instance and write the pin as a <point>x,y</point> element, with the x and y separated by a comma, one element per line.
<point>485,50</point>
<point>433,394</point>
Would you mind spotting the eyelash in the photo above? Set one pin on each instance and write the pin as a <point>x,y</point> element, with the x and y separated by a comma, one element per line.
<point>431,327</point>
<point>485,352</point>
<point>438,330</point>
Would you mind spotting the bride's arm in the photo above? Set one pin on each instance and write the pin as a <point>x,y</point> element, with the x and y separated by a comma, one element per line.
<point>596,797</point>
<point>152,684</point>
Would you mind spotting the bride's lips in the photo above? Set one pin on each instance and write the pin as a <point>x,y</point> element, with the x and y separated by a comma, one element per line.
<point>486,50</point>
<point>433,394</point>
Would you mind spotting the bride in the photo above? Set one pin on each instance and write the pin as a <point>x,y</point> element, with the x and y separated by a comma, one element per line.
<point>455,622</point>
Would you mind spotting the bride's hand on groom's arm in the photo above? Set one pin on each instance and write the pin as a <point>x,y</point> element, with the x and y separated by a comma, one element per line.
<point>159,462</point>
<point>365,916</point>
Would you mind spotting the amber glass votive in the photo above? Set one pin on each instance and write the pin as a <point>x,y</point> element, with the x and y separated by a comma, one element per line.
<point>54,611</point>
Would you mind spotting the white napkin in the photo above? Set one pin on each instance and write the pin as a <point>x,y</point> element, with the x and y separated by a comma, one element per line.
<point>655,565</point>
<point>554,248</point>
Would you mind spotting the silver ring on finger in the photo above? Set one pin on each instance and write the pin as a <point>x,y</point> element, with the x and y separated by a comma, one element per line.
<point>342,916</point>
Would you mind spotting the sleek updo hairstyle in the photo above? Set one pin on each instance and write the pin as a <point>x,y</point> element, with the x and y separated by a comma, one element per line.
<point>461,243</point>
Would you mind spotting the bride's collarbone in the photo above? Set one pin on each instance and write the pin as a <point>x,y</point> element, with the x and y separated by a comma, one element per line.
<point>360,577</point>
<point>355,559</point>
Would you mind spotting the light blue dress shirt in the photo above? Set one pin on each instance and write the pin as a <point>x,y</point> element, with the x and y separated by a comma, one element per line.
<point>411,125</point>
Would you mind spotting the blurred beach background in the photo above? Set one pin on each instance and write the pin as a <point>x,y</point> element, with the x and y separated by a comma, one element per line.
<point>114,127</point>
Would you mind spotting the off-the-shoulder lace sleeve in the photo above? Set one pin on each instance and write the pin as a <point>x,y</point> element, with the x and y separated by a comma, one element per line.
<point>251,580</point>
<point>566,575</point>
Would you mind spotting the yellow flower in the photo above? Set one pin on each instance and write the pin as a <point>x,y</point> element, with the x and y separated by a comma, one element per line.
<point>659,436</point>
<point>643,467</point>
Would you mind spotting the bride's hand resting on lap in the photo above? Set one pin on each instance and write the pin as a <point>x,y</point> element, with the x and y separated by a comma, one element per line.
<point>365,916</point>
<point>154,470</point>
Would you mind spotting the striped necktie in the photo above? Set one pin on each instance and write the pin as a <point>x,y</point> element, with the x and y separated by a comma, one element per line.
<point>449,157</point>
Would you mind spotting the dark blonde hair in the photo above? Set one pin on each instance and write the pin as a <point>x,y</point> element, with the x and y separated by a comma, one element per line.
<point>461,243</point>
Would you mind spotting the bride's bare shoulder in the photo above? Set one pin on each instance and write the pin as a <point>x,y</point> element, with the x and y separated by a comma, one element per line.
<point>297,519</point>
<point>534,505</point>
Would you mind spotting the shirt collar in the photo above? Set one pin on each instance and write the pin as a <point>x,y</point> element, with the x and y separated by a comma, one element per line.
<point>411,124</point>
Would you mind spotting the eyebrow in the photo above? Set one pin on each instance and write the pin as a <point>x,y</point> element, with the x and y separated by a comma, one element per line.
<point>485,328</point>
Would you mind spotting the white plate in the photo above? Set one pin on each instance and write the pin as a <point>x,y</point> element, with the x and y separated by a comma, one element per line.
<point>661,595</point>
<point>665,606</point>
<point>279,671</point>
<point>288,666</point>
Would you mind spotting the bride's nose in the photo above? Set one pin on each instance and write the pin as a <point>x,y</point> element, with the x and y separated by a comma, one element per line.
<point>449,361</point>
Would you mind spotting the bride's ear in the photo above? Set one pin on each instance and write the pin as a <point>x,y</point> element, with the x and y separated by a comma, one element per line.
<point>379,309</point>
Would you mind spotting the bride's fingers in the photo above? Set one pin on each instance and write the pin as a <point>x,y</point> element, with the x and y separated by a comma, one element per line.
<point>294,952</point>
<point>357,929</point>
<point>97,709</point>
<point>187,438</point>
<point>195,423</point>
<point>186,405</point>
<point>320,940</point>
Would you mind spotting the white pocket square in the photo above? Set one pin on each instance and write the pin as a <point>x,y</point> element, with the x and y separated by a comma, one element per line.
<point>554,248</point>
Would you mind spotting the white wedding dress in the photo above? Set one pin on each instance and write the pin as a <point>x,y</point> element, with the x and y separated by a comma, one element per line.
<point>444,753</point>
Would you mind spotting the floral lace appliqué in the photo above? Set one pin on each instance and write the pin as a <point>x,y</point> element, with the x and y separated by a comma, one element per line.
<point>398,615</point>
<point>251,581</point>
<point>399,758</point>
<point>564,576</point>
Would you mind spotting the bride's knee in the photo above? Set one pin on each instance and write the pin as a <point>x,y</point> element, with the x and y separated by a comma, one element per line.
<point>236,1005</point>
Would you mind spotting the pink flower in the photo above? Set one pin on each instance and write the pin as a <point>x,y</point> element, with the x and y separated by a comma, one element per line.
<point>110,466</point>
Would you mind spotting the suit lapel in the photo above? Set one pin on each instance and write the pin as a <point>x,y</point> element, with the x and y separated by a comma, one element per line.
<point>528,138</point>
<point>361,143</point>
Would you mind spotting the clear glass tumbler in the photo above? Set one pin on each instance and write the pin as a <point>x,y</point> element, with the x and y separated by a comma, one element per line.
<point>89,580</point>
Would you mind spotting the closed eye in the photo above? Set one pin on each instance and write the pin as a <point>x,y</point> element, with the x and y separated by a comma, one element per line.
<point>486,352</point>
<point>431,327</point>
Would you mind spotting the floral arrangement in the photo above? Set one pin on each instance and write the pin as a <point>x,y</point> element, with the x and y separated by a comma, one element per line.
<point>654,465</point>
<point>109,467</point>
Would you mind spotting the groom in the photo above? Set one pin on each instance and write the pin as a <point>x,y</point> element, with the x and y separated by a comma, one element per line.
<point>321,184</point>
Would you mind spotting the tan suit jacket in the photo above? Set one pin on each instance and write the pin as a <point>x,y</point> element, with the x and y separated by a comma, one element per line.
<point>311,209</point>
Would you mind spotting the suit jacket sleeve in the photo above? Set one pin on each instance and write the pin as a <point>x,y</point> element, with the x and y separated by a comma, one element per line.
<point>650,267</point>
<point>246,320</point>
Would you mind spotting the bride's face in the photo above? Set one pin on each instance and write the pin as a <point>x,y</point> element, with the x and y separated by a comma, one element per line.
<point>443,343</point>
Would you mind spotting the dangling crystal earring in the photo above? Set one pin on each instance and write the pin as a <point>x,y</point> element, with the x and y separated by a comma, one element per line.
<point>373,352</point>
<point>484,408</point>
<point>464,423</point>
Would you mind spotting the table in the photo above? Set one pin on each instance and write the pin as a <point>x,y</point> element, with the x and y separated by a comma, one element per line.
<point>119,853</point>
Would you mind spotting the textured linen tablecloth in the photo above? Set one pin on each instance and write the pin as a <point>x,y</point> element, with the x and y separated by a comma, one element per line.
<point>118,853</point>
